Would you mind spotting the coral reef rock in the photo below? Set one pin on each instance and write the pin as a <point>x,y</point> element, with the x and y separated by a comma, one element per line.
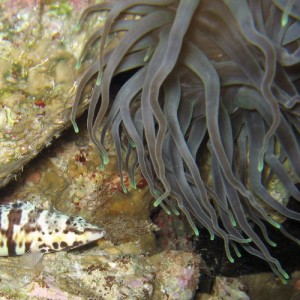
<point>95,274</point>
<point>39,48</point>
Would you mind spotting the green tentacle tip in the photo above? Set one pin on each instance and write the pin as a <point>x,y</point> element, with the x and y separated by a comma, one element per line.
<point>272,244</point>
<point>156,203</point>
<point>132,144</point>
<point>105,159</point>
<point>101,166</point>
<point>176,212</point>
<point>260,165</point>
<point>77,26</point>
<point>99,80</point>
<point>196,231</point>
<point>78,65</point>
<point>275,224</point>
<point>76,129</point>
<point>133,184</point>
<point>285,275</point>
<point>231,259</point>
<point>165,209</point>
<point>158,200</point>
<point>233,222</point>
<point>284,20</point>
<point>124,189</point>
<point>146,58</point>
<point>212,236</point>
<point>148,54</point>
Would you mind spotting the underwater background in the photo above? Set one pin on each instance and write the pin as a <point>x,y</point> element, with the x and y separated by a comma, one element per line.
<point>172,124</point>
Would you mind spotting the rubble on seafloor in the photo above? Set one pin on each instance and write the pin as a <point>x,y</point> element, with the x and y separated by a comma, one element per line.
<point>263,286</point>
<point>226,289</point>
<point>99,274</point>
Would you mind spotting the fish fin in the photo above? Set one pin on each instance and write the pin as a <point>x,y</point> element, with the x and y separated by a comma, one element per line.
<point>32,259</point>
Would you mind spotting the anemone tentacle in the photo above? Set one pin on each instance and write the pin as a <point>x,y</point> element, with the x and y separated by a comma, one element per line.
<point>217,78</point>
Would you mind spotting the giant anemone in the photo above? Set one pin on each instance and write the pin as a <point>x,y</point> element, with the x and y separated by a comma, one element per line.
<point>212,76</point>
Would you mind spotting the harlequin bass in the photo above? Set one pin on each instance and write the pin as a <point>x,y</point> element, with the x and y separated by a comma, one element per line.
<point>26,229</point>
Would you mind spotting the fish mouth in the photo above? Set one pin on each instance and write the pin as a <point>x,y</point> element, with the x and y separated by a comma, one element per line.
<point>97,230</point>
<point>72,247</point>
<point>98,233</point>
